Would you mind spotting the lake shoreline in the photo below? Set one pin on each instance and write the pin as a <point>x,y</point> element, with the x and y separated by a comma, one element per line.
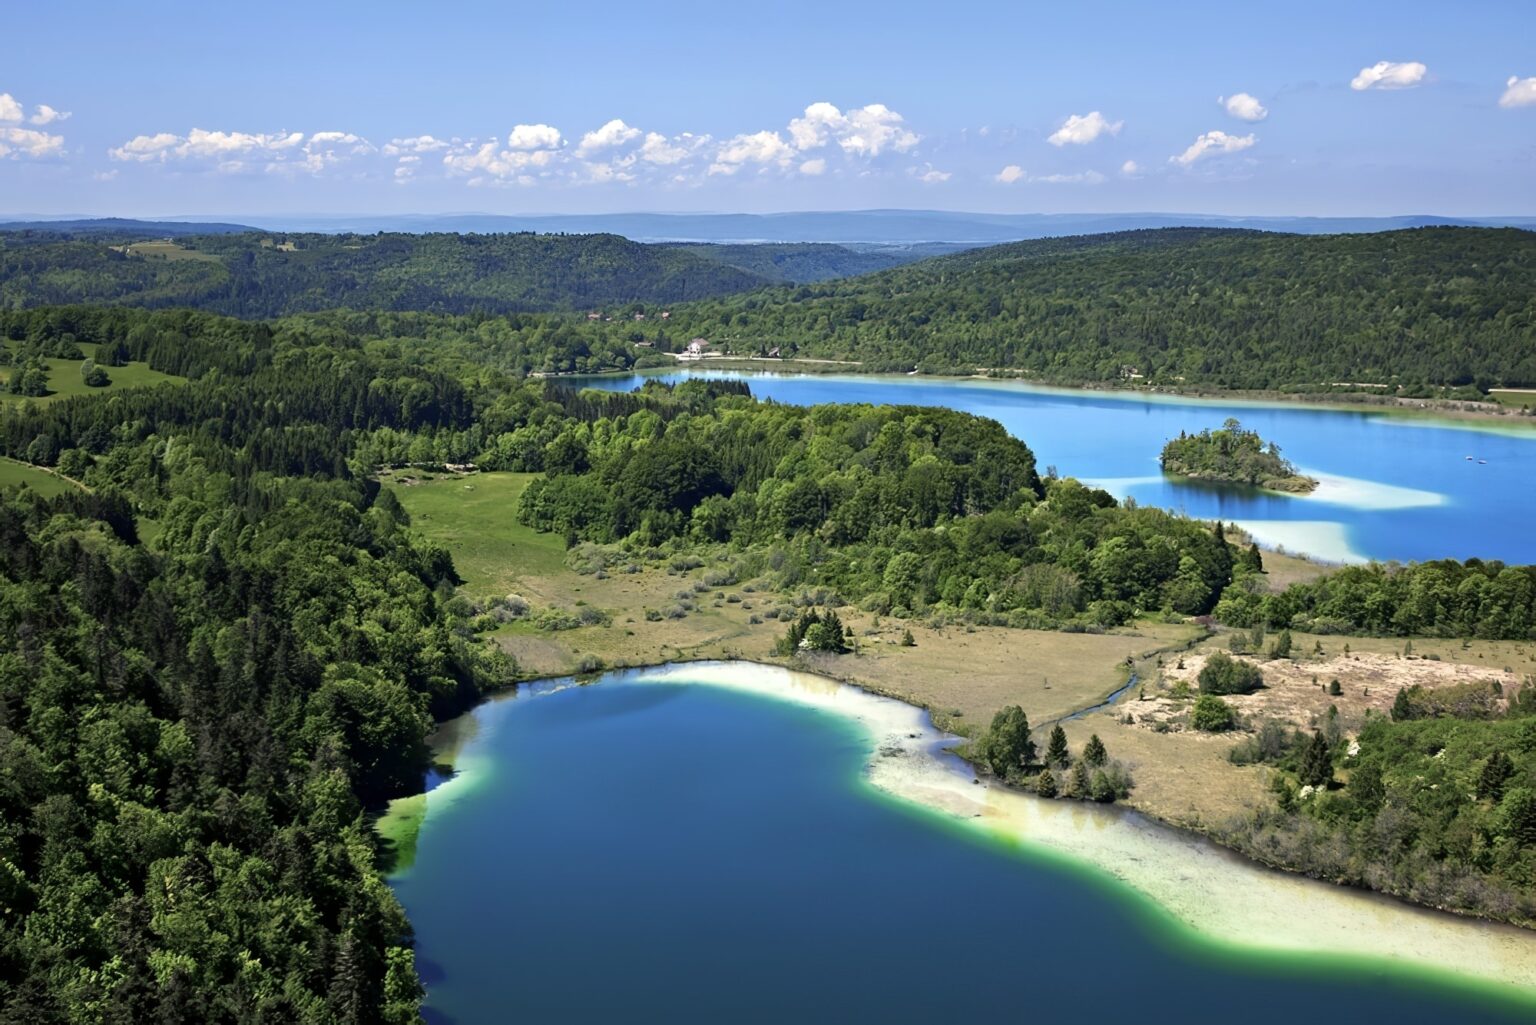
<point>906,756</point>
<point>1450,412</point>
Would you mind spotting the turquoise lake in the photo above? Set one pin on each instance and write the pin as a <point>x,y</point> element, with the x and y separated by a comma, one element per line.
<point>659,852</point>
<point>1393,487</point>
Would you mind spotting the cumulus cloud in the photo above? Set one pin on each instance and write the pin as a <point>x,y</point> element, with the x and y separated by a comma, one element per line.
<point>46,115</point>
<point>1080,129</point>
<point>534,137</point>
<point>763,148</point>
<point>614,133</point>
<point>1130,169</point>
<point>413,144</point>
<point>1244,107</point>
<point>28,142</point>
<point>1010,174</point>
<point>1389,75</point>
<point>236,152</point>
<point>664,152</point>
<point>490,161</point>
<point>1519,92</point>
<point>930,175</point>
<point>1212,144</point>
<point>864,131</point>
<point>814,167</point>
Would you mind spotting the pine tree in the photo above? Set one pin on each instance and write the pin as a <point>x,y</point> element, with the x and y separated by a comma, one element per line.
<point>1316,762</point>
<point>1402,708</point>
<point>1056,752</point>
<point>1045,784</point>
<point>1496,773</point>
<point>1078,782</point>
<point>1094,753</point>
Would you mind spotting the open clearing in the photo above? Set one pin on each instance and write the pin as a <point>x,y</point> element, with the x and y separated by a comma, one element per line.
<point>64,380</point>
<point>13,474</point>
<point>475,517</point>
<point>165,249</point>
<point>962,674</point>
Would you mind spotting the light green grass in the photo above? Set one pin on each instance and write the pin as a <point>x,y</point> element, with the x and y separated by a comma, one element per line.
<point>64,380</point>
<point>44,483</point>
<point>1514,399</point>
<point>165,250</point>
<point>475,518</point>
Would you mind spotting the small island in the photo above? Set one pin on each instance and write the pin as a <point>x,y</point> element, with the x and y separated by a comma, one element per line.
<point>1235,455</point>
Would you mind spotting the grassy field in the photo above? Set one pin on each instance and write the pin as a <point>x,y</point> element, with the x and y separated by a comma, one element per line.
<point>475,517</point>
<point>64,380</point>
<point>13,474</point>
<point>1515,398</point>
<point>962,674</point>
<point>164,249</point>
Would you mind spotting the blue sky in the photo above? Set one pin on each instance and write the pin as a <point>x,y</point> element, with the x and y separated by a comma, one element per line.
<point>1301,108</point>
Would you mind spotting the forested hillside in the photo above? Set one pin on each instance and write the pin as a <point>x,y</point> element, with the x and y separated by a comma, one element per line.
<point>804,262</point>
<point>1434,306</point>
<point>192,725</point>
<point>262,275</point>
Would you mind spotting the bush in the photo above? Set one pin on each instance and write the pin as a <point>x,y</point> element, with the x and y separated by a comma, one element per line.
<point>1212,715</point>
<point>1223,674</point>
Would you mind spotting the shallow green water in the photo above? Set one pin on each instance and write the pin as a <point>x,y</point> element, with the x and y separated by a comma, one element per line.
<point>679,853</point>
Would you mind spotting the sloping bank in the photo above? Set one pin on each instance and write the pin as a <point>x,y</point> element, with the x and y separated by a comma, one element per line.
<point>1216,894</point>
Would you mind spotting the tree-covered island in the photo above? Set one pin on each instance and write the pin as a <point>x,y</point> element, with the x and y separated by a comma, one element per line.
<point>1235,455</point>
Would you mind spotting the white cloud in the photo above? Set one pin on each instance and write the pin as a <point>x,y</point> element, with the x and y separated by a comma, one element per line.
<point>1130,169</point>
<point>1389,75</point>
<point>46,115</point>
<point>1080,129</point>
<point>764,148</point>
<point>535,137</point>
<point>1519,92</point>
<point>614,133</point>
<point>413,144</point>
<point>1010,174</point>
<point>658,149</point>
<point>27,142</point>
<point>1244,107</point>
<point>1080,178</point>
<point>488,161</point>
<point>237,152</point>
<point>10,109</point>
<point>864,131</point>
<point>814,167</point>
<point>104,176</point>
<point>930,175</point>
<point>1211,144</point>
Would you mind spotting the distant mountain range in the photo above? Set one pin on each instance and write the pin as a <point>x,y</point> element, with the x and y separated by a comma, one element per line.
<point>884,227</point>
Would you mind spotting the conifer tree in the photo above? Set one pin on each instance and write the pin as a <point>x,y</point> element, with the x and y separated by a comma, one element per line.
<point>1094,753</point>
<point>1316,762</point>
<point>1045,784</point>
<point>1056,752</point>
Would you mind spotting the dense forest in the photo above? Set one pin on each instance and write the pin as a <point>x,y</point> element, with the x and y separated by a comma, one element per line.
<point>262,275</point>
<point>227,644</point>
<point>1419,311</point>
<point>1238,309</point>
<point>1231,453</point>
<point>799,263</point>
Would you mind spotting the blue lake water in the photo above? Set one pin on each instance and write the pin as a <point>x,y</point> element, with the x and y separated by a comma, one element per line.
<point>672,853</point>
<point>1393,487</point>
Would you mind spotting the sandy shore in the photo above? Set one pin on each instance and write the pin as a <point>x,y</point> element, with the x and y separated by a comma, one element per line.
<point>1207,888</point>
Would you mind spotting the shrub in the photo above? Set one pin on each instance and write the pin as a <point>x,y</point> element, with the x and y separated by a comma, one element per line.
<point>1223,674</point>
<point>1212,715</point>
